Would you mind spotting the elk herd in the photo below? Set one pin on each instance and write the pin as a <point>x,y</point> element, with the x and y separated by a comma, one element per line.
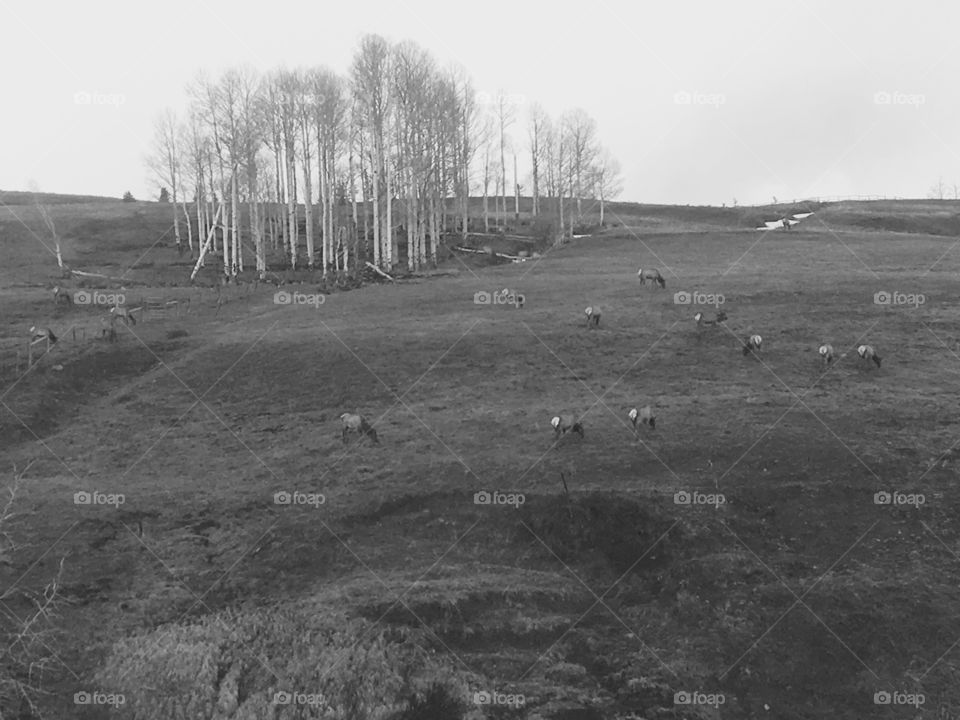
<point>567,422</point>
<point>563,423</point>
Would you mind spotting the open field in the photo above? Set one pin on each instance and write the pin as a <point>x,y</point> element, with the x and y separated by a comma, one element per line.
<point>797,597</point>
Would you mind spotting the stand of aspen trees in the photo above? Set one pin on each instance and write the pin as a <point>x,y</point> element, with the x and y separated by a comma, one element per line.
<point>332,171</point>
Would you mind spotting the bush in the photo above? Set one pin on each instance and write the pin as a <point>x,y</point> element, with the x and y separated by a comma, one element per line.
<point>128,197</point>
<point>242,665</point>
<point>544,230</point>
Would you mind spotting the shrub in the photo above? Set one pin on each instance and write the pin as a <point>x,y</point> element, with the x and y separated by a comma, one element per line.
<point>241,665</point>
<point>544,230</point>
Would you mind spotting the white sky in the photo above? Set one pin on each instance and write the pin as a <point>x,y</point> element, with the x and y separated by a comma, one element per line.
<point>783,91</point>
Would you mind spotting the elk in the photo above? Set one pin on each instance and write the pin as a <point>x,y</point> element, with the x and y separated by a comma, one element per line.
<point>653,275</point>
<point>122,312</point>
<point>566,422</point>
<point>866,352</point>
<point>752,344</point>
<point>357,423</point>
<point>593,315</point>
<point>41,333</point>
<point>645,415</point>
<point>61,296</point>
<point>826,354</point>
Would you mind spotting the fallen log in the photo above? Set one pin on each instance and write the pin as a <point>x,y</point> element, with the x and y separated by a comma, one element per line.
<point>511,258</point>
<point>378,270</point>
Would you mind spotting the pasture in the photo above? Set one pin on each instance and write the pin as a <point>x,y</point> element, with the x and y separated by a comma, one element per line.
<point>797,596</point>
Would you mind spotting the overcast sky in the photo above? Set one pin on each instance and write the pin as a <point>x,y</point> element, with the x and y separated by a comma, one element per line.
<point>702,102</point>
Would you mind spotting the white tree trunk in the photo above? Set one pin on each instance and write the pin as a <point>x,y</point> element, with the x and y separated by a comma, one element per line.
<point>377,257</point>
<point>388,246</point>
<point>186,215</point>
<point>237,264</point>
<point>324,208</point>
<point>206,245</point>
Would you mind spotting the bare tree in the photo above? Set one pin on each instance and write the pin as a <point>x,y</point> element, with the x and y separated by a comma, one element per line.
<point>505,117</point>
<point>370,80</point>
<point>288,91</point>
<point>538,121</point>
<point>936,191</point>
<point>165,162</point>
<point>581,131</point>
<point>47,219</point>
<point>253,126</point>
<point>605,178</point>
<point>466,141</point>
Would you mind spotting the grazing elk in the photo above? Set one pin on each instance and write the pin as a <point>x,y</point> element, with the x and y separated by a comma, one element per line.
<point>866,352</point>
<point>108,327</point>
<point>721,317</point>
<point>593,316</point>
<point>124,313</point>
<point>41,333</point>
<point>61,296</point>
<point>653,275</point>
<point>566,422</point>
<point>645,415</point>
<point>752,344</point>
<point>826,354</point>
<point>356,423</point>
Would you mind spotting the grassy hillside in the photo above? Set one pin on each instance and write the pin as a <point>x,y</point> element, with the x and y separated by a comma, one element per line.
<point>798,596</point>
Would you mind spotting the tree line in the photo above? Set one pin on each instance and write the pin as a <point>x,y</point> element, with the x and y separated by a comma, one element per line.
<point>389,152</point>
